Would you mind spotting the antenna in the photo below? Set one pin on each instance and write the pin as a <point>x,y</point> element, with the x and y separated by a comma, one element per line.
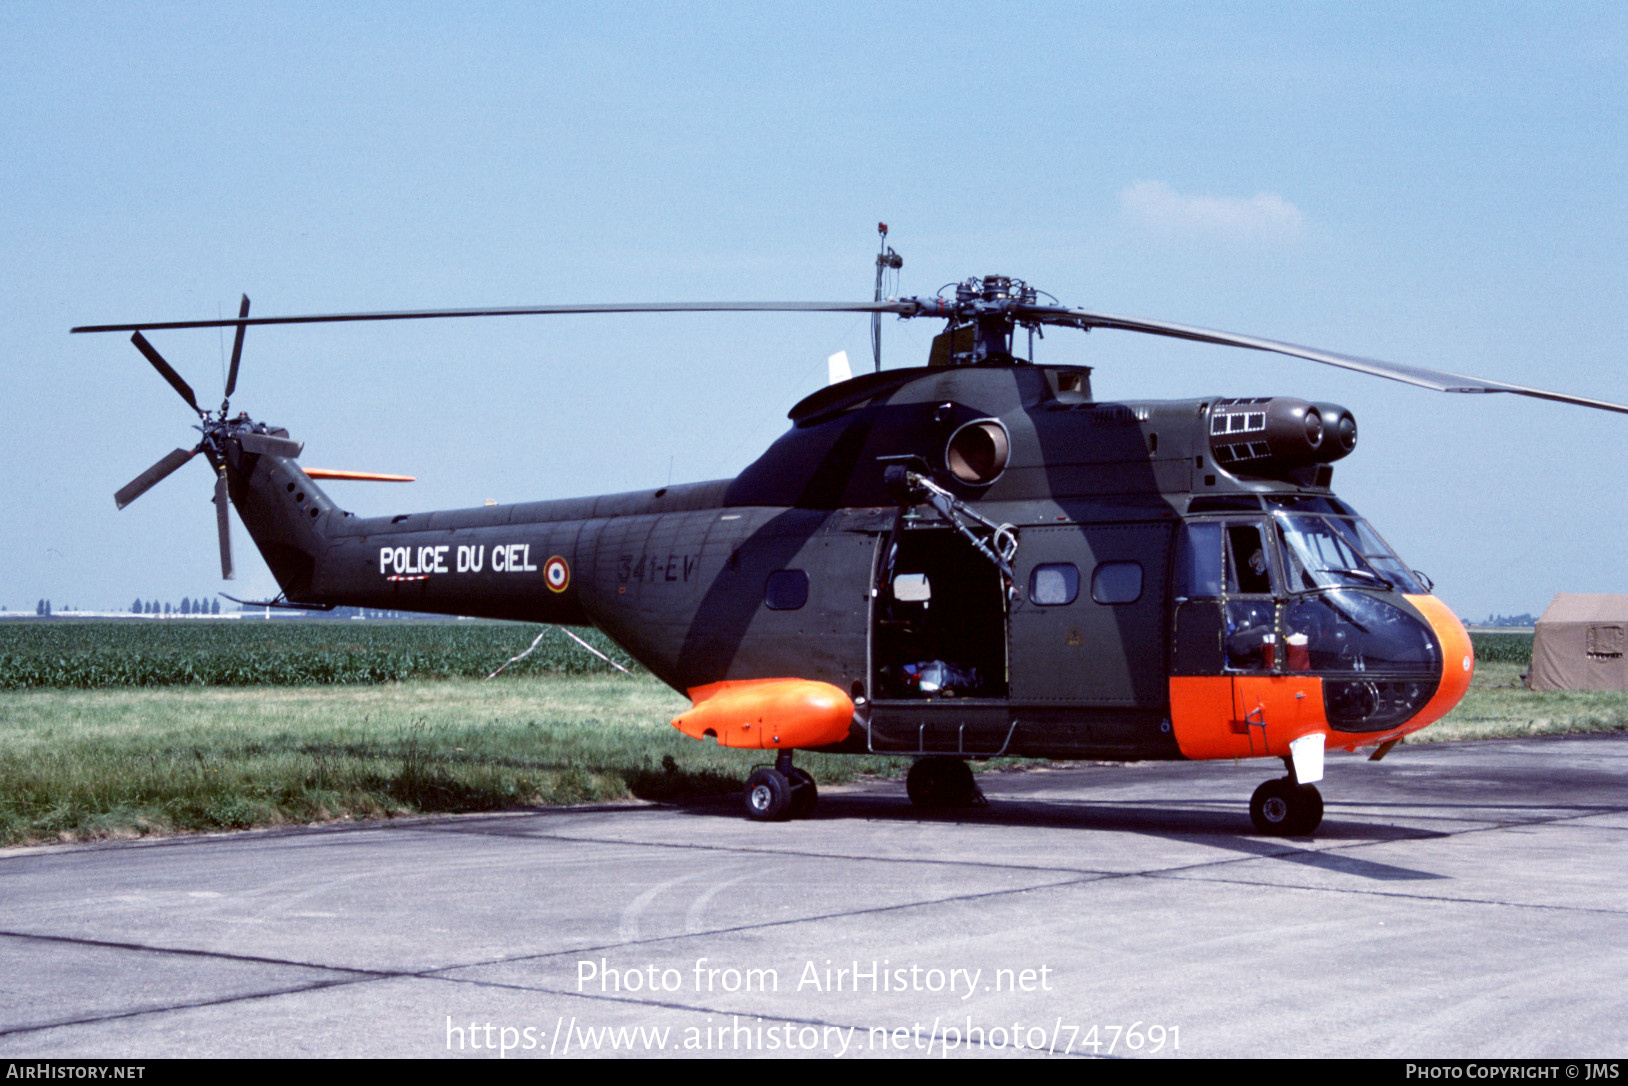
<point>886,259</point>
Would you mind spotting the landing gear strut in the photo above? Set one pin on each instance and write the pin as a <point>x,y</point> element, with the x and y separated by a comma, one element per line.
<point>1286,809</point>
<point>785,791</point>
<point>937,782</point>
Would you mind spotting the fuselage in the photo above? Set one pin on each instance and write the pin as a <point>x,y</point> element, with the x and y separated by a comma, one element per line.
<point>1185,582</point>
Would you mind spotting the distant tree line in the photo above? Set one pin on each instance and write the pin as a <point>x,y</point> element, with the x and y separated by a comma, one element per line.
<point>186,607</point>
<point>189,606</point>
<point>44,608</point>
<point>1511,620</point>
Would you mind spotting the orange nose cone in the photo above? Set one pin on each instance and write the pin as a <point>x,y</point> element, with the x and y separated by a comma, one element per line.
<point>1457,665</point>
<point>768,713</point>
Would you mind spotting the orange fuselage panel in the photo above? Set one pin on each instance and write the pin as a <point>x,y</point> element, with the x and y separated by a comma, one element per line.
<point>1250,716</point>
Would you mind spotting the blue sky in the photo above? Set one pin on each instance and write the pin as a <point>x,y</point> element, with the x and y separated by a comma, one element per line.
<point>1444,185</point>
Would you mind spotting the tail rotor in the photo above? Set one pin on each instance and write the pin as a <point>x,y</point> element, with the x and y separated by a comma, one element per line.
<point>223,524</point>
<point>220,433</point>
<point>237,355</point>
<point>168,371</point>
<point>144,482</point>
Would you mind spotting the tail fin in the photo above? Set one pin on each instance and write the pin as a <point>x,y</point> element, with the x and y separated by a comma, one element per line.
<point>285,512</point>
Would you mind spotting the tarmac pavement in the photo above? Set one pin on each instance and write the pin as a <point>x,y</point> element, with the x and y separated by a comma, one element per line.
<point>1465,899</point>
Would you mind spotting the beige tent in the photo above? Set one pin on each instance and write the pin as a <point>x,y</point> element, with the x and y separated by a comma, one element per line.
<point>1580,644</point>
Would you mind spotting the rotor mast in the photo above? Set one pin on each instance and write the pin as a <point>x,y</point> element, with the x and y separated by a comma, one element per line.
<point>985,314</point>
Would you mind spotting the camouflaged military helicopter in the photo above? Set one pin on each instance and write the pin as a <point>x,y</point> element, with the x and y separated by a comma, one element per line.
<point>971,558</point>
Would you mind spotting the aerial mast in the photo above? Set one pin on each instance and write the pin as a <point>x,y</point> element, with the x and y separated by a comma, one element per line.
<point>886,259</point>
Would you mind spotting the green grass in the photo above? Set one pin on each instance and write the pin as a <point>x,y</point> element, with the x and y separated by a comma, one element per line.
<point>78,764</point>
<point>1499,706</point>
<point>209,732</point>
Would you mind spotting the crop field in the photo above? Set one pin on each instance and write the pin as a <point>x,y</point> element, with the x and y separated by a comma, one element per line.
<point>118,729</point>
<point>286,652</point>
<point>123,728</point>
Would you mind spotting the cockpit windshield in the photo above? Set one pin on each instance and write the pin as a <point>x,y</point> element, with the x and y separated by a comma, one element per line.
<point>1339,552</point>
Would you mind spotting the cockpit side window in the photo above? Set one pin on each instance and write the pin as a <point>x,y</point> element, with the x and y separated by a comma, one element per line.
<point>1199,561</point>
<point>1223,558</point>
<point>1249,570</point>
<point>1226,607</point>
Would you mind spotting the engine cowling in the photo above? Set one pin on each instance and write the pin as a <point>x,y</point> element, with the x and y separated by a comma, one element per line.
<point>1270,435</point>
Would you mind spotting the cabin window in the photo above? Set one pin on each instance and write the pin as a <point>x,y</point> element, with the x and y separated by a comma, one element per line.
<point>1117,582</point>
<point>787,590</point>
<point>1054,584</point>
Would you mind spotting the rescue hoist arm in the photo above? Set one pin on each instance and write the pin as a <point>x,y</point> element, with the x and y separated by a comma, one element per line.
<point>912,487</point>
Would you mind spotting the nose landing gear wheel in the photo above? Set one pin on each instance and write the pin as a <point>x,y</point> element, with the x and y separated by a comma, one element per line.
<point>1285,809</point>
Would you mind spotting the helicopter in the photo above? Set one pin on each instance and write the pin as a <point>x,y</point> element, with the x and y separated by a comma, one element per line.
<point>967,559</point>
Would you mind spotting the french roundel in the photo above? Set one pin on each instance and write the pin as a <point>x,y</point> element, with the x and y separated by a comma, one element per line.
<point>557,574</point>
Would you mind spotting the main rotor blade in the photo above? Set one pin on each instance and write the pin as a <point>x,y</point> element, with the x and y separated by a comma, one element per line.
<point>165,370</point>
<point>906,307</point>
<point>276,446</point>
<point>223,523</point>
<point>1439,380</point>
<point>237,349</point>
<point>144,482</point>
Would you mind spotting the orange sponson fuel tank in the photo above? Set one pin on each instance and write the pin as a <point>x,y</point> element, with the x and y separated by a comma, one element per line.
<point>768,713</point>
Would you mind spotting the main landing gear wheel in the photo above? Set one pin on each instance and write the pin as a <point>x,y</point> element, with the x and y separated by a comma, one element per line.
<point>786,791</point>
<point>804,793</point>
<point>1285,809</point>
<point>936,783</point>
<point>768,796</point>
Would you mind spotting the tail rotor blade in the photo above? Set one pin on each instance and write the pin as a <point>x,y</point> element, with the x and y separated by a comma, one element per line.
<point>223,522</point>
<point>144,482</point>
<point>275,446</point>
<point>237,349</point>
<point>165,370</point>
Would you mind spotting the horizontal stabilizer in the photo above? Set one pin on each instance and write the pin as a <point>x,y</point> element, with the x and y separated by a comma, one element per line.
<point>262,444</point>
<point>369,476</point>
